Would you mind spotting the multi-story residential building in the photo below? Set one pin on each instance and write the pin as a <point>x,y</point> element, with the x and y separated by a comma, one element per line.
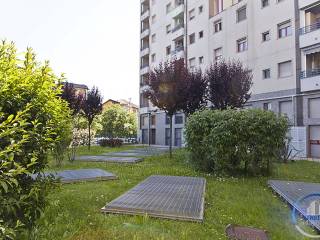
<point>278,40</point>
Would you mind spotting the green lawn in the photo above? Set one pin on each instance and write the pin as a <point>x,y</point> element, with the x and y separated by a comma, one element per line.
<point>74,212</point>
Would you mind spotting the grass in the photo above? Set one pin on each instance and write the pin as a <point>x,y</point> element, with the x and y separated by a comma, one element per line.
<point>74,210</point>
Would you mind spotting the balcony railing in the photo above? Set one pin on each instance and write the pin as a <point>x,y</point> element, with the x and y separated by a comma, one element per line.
<point>144,29</point>
<point>310,28</point>
<point>310,73</point>
<point>144,11</point>
<point>176,28</point>
<point>144,65</point>
<point>177,49</point>
<point>144,47</point>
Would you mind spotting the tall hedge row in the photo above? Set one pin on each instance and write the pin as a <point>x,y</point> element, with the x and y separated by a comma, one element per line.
<point>235,141</point>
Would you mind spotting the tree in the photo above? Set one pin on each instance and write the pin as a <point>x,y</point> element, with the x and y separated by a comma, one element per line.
<point>117,123</point>
<point>33,120</point>
<point>229,83</point>
<point>92,106</point>
<point>74,100</point>
<point>194,91</point>
<point>164,87</point>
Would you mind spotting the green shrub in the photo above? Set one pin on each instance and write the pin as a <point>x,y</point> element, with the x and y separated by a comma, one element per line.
<point>33,121</point>
<point>235,141</point>
<point>112,142</point>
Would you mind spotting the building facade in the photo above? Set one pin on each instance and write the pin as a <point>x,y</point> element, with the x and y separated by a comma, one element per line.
<point>278,40</point>
<point>126,105</point>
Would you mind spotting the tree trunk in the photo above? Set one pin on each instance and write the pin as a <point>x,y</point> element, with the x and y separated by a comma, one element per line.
<point>170,145</point>
<point>89,145</point>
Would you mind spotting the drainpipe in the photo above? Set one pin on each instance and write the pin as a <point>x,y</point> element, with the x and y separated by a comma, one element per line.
<point>186,32</point>
<point>149,129</point>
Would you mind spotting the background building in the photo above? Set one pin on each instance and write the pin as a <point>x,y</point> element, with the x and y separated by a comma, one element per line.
<point>127,105</point>
<point>278,40</point>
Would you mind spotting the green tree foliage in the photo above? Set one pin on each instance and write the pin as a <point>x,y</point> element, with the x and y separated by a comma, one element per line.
<point>33,120</point>
<point>116,122</point>
<point>92,107</point>
<point>235,141</point>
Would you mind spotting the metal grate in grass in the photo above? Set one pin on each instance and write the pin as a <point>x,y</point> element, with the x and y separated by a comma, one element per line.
<point>71,176</point>
<point>180,198</point>
<point>111,159</point>
<point>292,192</point>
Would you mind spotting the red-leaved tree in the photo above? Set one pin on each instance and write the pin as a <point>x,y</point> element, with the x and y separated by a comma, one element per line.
<point>165,87</point>
<point>229,83</point>
<point>92,106</point>
<point>193,92</point>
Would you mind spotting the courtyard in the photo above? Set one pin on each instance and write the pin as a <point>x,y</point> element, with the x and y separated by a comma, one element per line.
<point>74,209</point>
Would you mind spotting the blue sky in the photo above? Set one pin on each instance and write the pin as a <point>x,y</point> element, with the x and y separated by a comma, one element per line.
<point>95,42</point>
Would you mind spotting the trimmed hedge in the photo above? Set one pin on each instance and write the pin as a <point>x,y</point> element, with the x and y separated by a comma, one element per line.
<point>112,142</point>
<point>235,141</point>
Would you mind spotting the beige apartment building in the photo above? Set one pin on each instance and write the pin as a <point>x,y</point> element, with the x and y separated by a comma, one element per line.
<point>278,40</point>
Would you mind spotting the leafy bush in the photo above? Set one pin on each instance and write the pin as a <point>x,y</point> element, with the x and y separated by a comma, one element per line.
<point>116,122</point>
<point>235,141</point>
<point>113,142</point>
<point>33,121</point>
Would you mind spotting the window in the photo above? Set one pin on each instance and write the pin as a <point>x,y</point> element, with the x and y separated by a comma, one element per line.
<point>178,119</point>
<point>168,8</point>
<point>168,50</point>
<point>285,69</point>
<point>217,54</point>
<point>153,19</point>
<point>284,29</point>
<point>192,38</point>
<point>178,137</point>
<point>266,36</point>
<point>285,109</point>
<point>168,28</point>
<point>314,111</point>
<point>153,120</point>
<point>201,34</point>
<point>264,3</point>
<point>242,14</point>
<point>201,60</point>
<point>242,45</point>
<point>217,26</point>
<point>153,57</point>
<point>168,136</point>
<point>191,14</point>
<point>200,9</point>
<point>267,106</point>
<point>167,120</point>
<point>153,38</point>
<point>266,73</point>
<point>192,62</point>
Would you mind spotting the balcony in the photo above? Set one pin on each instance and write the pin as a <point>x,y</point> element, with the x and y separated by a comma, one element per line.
<point>310,28</point>
<point>145,32</point>
<point>145,51</point>
<point>177,31</point>
<point>179,9</point>
<point>178,52</point>
<point>310,80</point>
<point>178,27</point>
<point>145,14</point>
<point>144,69</point>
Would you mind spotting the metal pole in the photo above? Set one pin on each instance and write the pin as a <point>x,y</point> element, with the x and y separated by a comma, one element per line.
<point>149,130</point>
